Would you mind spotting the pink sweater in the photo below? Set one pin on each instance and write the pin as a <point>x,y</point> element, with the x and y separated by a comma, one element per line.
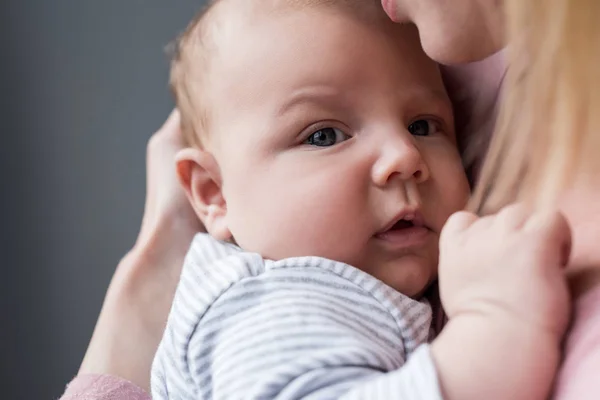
<point>578,378</point>
<point>103,387</point>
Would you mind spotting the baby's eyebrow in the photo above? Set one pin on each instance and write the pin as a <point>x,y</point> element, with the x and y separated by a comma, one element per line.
<point>428,97</point>
<point>317,95</point>
<point>427,94</point>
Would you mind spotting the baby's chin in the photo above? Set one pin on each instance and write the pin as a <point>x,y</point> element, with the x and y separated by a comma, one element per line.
<point>410,275</point>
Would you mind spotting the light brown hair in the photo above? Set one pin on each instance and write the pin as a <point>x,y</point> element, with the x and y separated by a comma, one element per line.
<point>194,51</point>
<point>548,131</point>
<point>188,49</point>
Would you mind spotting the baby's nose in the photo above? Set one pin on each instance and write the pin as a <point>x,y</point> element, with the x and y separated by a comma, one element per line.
<point>399,160</point>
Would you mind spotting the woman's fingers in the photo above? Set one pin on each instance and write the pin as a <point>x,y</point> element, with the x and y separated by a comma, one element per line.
<point>171,127</point>
<point>166,203</point>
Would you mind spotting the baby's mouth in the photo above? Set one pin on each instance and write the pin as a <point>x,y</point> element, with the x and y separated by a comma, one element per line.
<point>402,224</point>
<point>407,230</point>
<point>405,220</point>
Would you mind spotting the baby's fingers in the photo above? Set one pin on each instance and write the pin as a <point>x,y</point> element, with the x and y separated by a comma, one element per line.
<point>512,217</point>
<point>554,229</point>
<point>457,223</point>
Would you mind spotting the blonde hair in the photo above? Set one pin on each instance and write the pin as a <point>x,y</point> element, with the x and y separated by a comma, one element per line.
<point>548,131</point>
<point>191,48</point>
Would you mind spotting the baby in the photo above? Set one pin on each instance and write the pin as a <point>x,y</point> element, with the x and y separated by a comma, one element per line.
<point>323,146</point>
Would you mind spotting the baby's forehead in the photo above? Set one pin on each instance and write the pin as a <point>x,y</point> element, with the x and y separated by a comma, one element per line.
<point>270,6</point>
<point>225,13</point>
<point>226,26</point>
<point>289,49</point>
<point>263,50</point>
<point>230,22</point>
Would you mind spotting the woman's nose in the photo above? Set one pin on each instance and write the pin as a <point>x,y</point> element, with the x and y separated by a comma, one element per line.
<point>402,160</point>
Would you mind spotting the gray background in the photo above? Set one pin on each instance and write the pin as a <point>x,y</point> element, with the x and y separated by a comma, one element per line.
<point>83,86</point>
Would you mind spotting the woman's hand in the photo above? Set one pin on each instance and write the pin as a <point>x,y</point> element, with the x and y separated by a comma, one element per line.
<point>139,297</point>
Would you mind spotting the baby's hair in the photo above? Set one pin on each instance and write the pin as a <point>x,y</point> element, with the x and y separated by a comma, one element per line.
<point>190,43</point>
<point>548,131</point>
<point>193,50</point>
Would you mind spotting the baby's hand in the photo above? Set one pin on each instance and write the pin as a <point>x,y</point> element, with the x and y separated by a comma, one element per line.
<point>507,265</point>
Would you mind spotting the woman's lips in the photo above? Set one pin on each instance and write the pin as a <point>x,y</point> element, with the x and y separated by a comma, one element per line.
<point>389,8</point>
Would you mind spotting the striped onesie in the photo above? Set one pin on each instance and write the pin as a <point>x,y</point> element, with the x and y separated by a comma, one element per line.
<point>242,327</point>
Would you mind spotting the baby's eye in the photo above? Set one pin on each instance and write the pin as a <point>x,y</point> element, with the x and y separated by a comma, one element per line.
<point>423,127</point>
<point>326,137</point>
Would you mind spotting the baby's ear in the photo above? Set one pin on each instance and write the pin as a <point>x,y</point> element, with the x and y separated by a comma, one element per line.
<point>200,176</point>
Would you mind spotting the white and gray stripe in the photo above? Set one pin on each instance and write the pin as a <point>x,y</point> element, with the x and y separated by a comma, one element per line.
<point>242,327</point>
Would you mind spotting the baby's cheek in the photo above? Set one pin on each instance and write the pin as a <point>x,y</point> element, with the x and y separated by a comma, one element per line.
<point>250,211</point>
<point>450,189</point>
<point>327,221</point>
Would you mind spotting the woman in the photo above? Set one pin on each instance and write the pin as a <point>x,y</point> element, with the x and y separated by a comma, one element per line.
<point>545,153</point>
<point>118,359</point>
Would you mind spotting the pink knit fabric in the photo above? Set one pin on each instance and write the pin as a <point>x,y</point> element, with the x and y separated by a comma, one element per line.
<point>103,387</point>
<point>579,378</point>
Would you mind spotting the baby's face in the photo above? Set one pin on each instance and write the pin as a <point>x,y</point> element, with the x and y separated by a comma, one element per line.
<point>328,131</point>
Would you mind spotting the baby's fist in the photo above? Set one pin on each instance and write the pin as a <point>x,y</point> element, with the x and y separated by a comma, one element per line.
<point>509,264</point>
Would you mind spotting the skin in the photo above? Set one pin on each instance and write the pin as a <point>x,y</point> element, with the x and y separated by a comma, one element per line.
<point>258,180</point>
<point>133,310</point>
<point>502,285</point>
<point>451,38</point>
<point>466,37</point>
<point>453,31</point>
<point>465,31</point>
<point>452,34</point>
